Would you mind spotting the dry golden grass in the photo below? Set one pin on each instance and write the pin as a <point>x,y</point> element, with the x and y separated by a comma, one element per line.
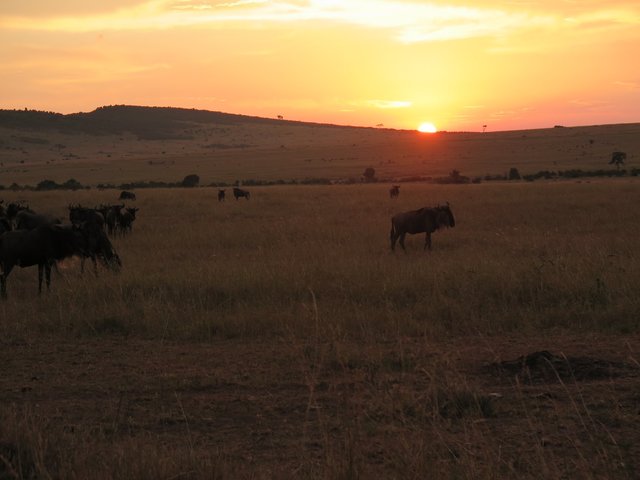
<point>522,257</point>
<point>279,337</point>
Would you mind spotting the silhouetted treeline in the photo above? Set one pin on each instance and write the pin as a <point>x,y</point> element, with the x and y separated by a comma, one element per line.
<point>578,173</point>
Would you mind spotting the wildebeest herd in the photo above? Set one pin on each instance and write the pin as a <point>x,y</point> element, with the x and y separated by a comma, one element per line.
<point>28,238</point>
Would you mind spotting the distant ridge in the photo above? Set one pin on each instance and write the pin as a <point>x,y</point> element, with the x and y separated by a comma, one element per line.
<point>146,122</point>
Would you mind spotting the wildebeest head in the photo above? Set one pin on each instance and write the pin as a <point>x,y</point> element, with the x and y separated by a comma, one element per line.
<point>132,211</point>
<point>444,217</point>
<point>13,208</point>
<point>94,241</point>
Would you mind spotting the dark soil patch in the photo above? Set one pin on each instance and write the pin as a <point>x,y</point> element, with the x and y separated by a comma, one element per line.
<point>544,367</point>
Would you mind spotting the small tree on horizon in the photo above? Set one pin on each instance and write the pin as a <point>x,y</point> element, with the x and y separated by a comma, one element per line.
<point>617,159</point>
<point>191,181</point>
<point>369,174</point>
<point>514,174</point>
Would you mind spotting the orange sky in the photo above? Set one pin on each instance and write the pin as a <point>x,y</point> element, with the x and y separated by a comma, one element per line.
<point>458,64</point>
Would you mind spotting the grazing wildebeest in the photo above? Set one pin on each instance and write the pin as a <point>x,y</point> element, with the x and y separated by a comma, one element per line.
<point>126,219</point>
<point>238,192</point>
<point>95,245</point>
<point>220,195</point>
<point>46,244</point>
<point>394,191</point>
<point>426,220</point>
<point>79,215</point>
<point>125,195</point>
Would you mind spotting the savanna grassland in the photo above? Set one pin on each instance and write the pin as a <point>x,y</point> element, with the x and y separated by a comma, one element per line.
<point>280,338</point>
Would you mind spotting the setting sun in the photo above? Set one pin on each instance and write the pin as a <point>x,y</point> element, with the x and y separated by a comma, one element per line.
<point>427,128</point>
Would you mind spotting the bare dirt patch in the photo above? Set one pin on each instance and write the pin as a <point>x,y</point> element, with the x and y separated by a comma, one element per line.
<point>336,410</point>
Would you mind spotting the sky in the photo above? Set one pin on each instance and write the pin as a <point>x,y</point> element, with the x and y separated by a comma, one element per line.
<point>467,65</point>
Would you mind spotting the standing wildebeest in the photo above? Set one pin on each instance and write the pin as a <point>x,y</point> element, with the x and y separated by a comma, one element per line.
<point>13,209</point>
<point>112,218</point>
<point>221,195</point>
<point>126,219</point>
<point>5,225</point>
<point>79,215</point>
<point>426,220</point>
<point>125,195</point>
<point>28,220</point>
<point>394,191</point>
<point>46,244</point>
<point>238,192</point>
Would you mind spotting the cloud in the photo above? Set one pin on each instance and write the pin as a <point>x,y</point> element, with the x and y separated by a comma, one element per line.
<point>406,21</point>
<point>630,86</point>
<point>388,104</point>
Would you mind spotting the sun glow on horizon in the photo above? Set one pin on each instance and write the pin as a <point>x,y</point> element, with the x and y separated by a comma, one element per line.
<point>427,127</point>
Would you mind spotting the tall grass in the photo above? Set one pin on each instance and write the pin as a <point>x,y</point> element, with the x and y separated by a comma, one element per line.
<point>521,258</point>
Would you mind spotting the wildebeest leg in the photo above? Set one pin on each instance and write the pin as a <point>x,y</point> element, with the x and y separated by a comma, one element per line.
<point>427,241</point>
<point>6,270</point>
<point>393,237</point>
<point>402,241</point>
<point>47,271</point>
<point>95,265</point>
<point>40,269</point>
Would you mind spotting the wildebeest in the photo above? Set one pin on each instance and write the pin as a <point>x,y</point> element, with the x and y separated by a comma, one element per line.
<point>112,218</point>
<point>425,220</point>
<point>5,225</point>
<point>13,209</point>
<point>79,214</point>
<point>221,195</point>
<point>28,220</point>
<point>394,191</point>
<point>238,192</point>
<point>46,244</point>
<point>125,195</point>
<point>95,245</point>
<point>126,219</point>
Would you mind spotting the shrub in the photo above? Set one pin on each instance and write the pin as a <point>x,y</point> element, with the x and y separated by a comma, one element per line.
<point>191,181</point>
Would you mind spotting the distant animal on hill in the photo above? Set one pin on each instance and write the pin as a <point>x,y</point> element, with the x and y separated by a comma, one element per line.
<point>125,195</point>
<point>45,245</point>
<point>238,193</point>
<point>394,191</point>
<point>221,195</point>
<point>425,220</point>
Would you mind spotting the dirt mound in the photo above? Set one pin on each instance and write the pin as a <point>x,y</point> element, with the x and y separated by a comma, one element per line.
<point>545,367</point>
